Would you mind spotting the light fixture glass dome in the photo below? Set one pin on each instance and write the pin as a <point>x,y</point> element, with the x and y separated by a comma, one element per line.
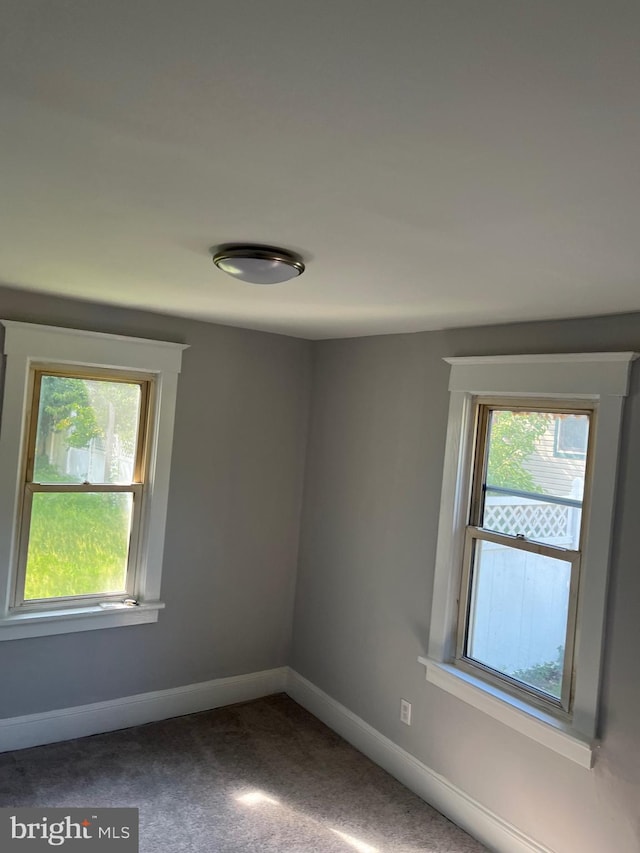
<point>258,264</point>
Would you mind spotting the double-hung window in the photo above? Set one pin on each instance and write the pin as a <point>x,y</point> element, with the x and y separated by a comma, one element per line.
<point>521,564</point>
<point>525,534</point>
<point>85,449</point>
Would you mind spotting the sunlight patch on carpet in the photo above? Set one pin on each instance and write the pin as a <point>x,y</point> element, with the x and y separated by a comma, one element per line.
<point>254,798</point>
<point>356,843</point>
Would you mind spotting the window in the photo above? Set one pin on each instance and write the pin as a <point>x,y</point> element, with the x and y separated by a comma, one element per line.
<point>84,484</point>
<point>571,437</point>
<point>521,566</point>
<point>86,436</point>
<point>521,571</point>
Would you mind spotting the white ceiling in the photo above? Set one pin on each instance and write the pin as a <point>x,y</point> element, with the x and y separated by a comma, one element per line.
<point>437,163</point>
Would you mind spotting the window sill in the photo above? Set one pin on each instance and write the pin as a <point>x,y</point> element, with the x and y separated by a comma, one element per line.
<point>524,718</point>
<point>17,626</point>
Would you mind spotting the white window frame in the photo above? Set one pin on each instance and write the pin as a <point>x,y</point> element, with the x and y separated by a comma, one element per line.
<point>602,378</point>
<point>27,345</point>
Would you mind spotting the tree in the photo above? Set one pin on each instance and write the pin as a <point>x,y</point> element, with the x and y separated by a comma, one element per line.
<point>65,407</point>
<point>513,438</point>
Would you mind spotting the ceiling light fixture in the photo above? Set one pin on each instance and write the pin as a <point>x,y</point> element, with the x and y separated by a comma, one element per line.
<point>257,264</point>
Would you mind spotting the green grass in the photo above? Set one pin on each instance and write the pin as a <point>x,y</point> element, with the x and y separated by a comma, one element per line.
<point>78,544</point>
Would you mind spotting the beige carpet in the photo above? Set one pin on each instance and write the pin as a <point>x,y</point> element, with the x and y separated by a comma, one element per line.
<point>261,777</point>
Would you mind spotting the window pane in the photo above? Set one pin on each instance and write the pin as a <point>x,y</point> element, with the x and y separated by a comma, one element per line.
<point>518,616</point>
<point>571,435</point>
<point>524,467</point>
<point>87,431</point>
<point>78,544</point>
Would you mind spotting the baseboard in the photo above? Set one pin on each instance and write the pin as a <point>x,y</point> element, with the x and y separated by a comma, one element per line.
<point>472,816</point>
<point>82,720</point>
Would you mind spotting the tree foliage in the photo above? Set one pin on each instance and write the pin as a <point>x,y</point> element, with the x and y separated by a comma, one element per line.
<point>65,407</point>
<point>513,439</point>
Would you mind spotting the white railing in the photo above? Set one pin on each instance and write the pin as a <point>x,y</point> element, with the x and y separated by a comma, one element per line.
<point>535,519</point>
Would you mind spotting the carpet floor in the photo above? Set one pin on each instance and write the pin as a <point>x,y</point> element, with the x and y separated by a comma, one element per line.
<point>259,777</point>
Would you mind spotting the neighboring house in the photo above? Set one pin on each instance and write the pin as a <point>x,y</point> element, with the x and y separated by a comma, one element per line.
<point>559,457</point>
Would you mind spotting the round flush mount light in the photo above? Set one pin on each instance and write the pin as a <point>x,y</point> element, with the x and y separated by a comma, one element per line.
<point>257,264</point>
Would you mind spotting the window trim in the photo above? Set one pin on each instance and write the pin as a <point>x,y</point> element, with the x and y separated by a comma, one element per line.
<point>28,346</point>
<point>599,377</point>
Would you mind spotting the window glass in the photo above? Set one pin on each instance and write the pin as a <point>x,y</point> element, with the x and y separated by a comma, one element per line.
<point>87,430</point>
<point>518,614</point>
<point>528,489</point>
<point>572,433</point>
<point>78,510</point>
<point>78,544</point>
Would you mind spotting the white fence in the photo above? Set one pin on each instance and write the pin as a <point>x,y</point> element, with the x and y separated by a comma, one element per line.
<point>99,462</point>
<point>521,599</point>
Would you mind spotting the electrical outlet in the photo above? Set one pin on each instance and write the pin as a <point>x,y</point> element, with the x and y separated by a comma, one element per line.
<point>405,712</point>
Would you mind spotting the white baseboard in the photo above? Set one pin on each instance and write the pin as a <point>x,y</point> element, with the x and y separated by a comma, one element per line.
<point>472,816</point>
<point>82,720</point>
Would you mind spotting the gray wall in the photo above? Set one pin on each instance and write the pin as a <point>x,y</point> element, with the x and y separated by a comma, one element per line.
<point>372,491</point>
<point>232,525</point>
<point>376,436</point>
